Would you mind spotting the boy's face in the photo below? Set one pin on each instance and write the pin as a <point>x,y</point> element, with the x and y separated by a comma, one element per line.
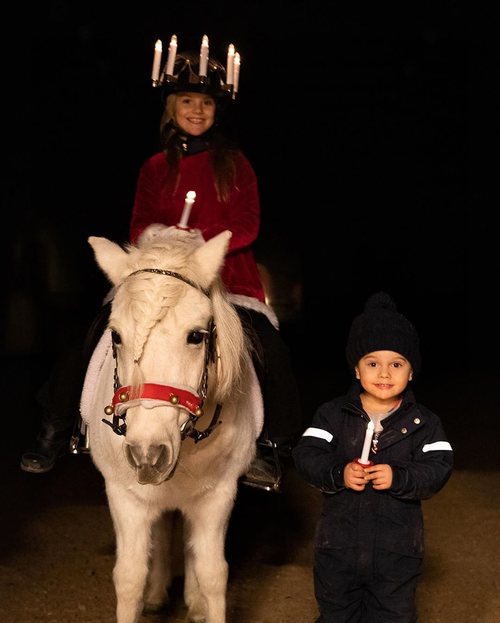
<point>384,374</point>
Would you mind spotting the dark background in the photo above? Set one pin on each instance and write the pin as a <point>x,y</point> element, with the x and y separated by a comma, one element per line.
<point>359,126</point>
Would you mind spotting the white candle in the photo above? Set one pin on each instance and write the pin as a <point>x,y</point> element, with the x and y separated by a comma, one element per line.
<point>172,51</point>
<point>236,73</point>
<point>230,63</point>
<point>188,204</point>
<point>203,56</point>
<point>155,74</point>
<point>367,443</point>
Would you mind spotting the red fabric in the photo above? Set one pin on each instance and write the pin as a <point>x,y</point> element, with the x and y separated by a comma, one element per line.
<point>241,214</point>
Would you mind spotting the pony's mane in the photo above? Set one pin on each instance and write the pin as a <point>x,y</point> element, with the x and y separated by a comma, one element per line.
<point>233,344</point>
<point>148,298</point>
<point>143,300</point>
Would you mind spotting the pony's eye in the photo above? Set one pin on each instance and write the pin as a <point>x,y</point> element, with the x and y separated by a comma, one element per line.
<point>115,336</point>
<point>196,337</point>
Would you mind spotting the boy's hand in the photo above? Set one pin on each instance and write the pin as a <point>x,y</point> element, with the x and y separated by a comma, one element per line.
<point>379,475</point>
<point>355,476</point>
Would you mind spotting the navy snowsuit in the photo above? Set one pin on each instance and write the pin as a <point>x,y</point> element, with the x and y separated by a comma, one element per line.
<point>369,544</point>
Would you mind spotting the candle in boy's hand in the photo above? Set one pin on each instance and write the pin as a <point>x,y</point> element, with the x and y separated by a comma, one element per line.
<point>188,204</point>
<point>367,443</point>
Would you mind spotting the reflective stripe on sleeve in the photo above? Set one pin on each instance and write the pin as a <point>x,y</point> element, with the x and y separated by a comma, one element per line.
<point>437,445</point>
<point>318,432</point>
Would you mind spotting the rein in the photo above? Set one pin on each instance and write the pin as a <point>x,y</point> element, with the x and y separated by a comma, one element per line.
<point>155,394</point>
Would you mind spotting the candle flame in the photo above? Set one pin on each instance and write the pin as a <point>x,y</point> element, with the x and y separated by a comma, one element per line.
<point>158,46</point>
<point>190,194</point>
<point>204,41</point>
<point>173,40</point>
<point>230,48</point>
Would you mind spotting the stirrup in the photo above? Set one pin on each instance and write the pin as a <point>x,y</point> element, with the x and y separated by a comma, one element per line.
<point>79,442</point>
<point>262,478</point>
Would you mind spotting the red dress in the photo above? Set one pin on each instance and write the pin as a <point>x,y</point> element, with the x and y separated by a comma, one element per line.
<point>240,214</point>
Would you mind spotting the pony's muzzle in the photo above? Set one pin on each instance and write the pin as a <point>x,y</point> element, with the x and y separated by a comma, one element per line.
<point>152,464</point>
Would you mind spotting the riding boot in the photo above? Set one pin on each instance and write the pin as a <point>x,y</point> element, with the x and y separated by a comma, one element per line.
<point>265,470</point>
<point>282,415</point>
<point>271,459</point>
<point>59,404</point>
<point>59,399</point>
<point>51,443</point>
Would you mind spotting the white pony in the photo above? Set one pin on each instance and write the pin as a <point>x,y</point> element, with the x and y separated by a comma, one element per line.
<point>172,377</point>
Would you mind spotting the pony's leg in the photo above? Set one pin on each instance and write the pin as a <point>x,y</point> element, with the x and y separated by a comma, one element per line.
<point>206,567</point>
<point>132,523</point>
<point>193,599</point>
<point>160,572</point>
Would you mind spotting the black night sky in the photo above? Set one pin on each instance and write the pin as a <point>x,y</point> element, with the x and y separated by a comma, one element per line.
<point>357,124</point>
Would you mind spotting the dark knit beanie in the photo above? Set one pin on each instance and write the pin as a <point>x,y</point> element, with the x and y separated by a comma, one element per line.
<point>382,327</point>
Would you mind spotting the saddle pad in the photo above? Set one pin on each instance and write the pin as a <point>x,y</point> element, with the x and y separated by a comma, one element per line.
<point>102,353</point>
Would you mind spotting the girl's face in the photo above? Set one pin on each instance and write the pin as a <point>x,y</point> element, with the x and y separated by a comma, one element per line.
<point>194,112</point>
<point>384,374</point>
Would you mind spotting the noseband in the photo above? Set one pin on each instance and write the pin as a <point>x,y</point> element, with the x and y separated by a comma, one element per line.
<point>155,394</point>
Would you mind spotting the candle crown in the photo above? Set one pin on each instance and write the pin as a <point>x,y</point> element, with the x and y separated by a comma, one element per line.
<point>184,73</point>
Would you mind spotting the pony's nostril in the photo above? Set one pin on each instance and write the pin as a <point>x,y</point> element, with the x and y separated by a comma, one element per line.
<point>155,455</point>
<point>132,455</point>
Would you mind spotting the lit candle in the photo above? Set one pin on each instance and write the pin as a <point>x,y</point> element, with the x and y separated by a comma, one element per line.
<point>203,57</point>
<point>172,51</point>
<point>188,204</point>
<point>367,443</point>
<point>236,73</point>
<point>155,74</point>
<point>230,63</point>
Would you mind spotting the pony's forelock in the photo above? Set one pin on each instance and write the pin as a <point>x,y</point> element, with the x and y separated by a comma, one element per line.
<point>147,297</point>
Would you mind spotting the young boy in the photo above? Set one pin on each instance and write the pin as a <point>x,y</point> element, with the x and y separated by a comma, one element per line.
<point>370,538</point>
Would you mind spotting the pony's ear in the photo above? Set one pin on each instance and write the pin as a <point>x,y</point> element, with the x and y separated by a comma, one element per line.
<point>210,257</point>
<point>110,257</point>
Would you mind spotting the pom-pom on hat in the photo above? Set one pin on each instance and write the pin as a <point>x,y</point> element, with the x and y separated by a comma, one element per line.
<point>382,327</point>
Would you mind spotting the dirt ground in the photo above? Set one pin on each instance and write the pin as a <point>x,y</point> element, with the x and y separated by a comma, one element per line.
<point>57,551</point>
<point>57,545</point>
